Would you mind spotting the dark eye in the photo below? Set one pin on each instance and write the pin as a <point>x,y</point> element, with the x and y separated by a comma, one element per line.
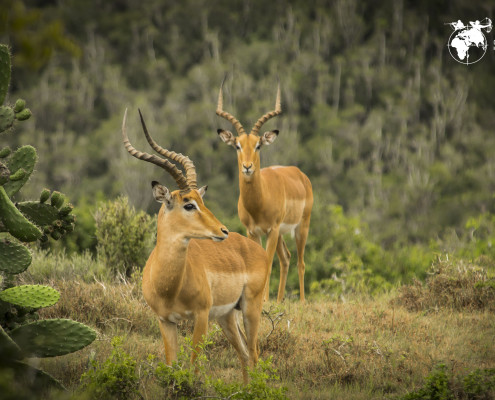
<point>258,146</point>
<point>189,207</point>
<point>237,146</point>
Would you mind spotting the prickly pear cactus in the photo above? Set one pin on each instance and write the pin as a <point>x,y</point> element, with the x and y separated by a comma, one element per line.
<point>52,337</point>
<point>31,296</point>
<point>22,222</point>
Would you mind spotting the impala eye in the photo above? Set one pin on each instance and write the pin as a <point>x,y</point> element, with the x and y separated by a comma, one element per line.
<point>237,146</point>
<point>258,146</point>
<point>189,207</point>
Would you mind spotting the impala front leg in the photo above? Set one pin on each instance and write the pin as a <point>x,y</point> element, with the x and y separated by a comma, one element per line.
<point>200,329</point>
<point>169,336</point>
<point>271,247</point>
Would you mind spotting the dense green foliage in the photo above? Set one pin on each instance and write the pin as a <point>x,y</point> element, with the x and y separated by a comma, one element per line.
<point>125,237</point>
<point>375,111</point>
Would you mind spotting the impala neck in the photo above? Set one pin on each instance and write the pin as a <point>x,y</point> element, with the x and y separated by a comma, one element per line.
<point>171,250</point>
<point>251,190</point>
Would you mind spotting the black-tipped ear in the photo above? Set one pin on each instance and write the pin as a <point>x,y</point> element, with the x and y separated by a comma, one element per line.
<point>269,137</point>
<point>275,131</point>
<point>154,183</point>
<point>202,190</point>
<point>219,131</point>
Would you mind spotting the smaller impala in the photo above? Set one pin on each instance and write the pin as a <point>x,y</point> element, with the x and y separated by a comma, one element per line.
<point>273,200</point>
<point>187,278</point>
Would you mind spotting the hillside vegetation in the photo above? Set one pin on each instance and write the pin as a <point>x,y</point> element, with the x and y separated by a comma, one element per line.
<point>394,134</point>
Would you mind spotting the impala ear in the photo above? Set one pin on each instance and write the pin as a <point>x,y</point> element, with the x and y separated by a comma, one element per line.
<point>202,190</point>
<point>269,137</point>
<point>226,136</point>
<point>161,194</point>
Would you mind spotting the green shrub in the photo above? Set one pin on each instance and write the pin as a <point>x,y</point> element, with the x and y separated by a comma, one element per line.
<point>116,377</point>
<point>125,237</point>
<point>437,387</point>
<point>441,385</point>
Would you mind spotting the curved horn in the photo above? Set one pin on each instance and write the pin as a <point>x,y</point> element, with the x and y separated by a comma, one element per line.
<point>177,157</point>
<point>165,164</point>
<point>229,117</point>
<point>268,115</point>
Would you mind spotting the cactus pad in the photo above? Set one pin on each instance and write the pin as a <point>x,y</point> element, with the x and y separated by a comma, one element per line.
<point>24,157</point>
<point>52,337</point>
<point>7,117</point>
<point>44,196</point>
<point>13,220</point>
<point>40,213</point>
<point>31,296</point>
<point>5,152</point>
<point>20,105</point>
<point>8,348</point>
<point>4,72</point>
<point>23,115</point>
<point>14,257</point>
<point>57,199</point>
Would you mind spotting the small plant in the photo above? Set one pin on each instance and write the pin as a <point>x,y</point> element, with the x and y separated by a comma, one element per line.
<point>437,386</point>
<point>125,237</point>
<point>441,385</point>
<point>114,378</point>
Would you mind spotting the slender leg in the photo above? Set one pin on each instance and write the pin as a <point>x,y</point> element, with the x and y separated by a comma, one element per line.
<point>200,329</point>
<point>301,236</point>
<point>169,336</point>
<point>271,246</point>
<point>251,316</point>
<point>284,258</point>
<point>256,238</point>
<point>230,327</point>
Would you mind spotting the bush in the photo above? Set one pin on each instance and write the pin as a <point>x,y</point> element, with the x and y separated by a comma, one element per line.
<point>125,237</point>
<point>441,385</point>
<point>114,378</point>
<point>451,284</point>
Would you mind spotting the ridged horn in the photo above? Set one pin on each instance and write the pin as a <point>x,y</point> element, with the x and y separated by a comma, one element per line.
<point>177,157</point>
<point>229,117</point>
<point>165,164</point>
<point>268,115</point>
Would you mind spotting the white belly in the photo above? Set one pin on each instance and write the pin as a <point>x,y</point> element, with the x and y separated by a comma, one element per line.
<point>219,311</point>
<point>288,228</point>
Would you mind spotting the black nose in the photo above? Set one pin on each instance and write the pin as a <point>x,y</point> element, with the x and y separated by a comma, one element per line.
<point>225,230</point>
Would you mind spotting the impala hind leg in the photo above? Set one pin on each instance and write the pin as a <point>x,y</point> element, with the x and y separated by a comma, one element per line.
<point>169,336</point>
<point>231,329</point>
<point>251,310</point>
<point>301,236</point>
<point>284,258</point>
<point>271,247</point>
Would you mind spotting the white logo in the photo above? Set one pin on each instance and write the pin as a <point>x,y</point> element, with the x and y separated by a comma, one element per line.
<point>467,44</point>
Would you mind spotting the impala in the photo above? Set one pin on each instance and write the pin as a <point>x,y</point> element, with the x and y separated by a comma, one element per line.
<point>272,201</point>
<point>188,278</point>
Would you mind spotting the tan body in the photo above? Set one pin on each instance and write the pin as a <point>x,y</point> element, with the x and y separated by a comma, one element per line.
<point>198,270</point>
<point>272,201</point>
<point>203,280</point>
<point>275,201</point>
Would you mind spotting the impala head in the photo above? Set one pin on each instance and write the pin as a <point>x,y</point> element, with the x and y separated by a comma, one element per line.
<point>183,212</point>
<point>248,146</point>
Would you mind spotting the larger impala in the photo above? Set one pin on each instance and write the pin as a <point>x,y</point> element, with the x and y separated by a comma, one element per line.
<point>186,278</point>
<point>273,200</point>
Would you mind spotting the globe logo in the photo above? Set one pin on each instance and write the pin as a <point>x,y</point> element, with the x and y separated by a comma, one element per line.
<point>467,44</point>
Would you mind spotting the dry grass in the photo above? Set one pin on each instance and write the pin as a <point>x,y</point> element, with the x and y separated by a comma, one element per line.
<point>361,349</point>
<point>454,285</point>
